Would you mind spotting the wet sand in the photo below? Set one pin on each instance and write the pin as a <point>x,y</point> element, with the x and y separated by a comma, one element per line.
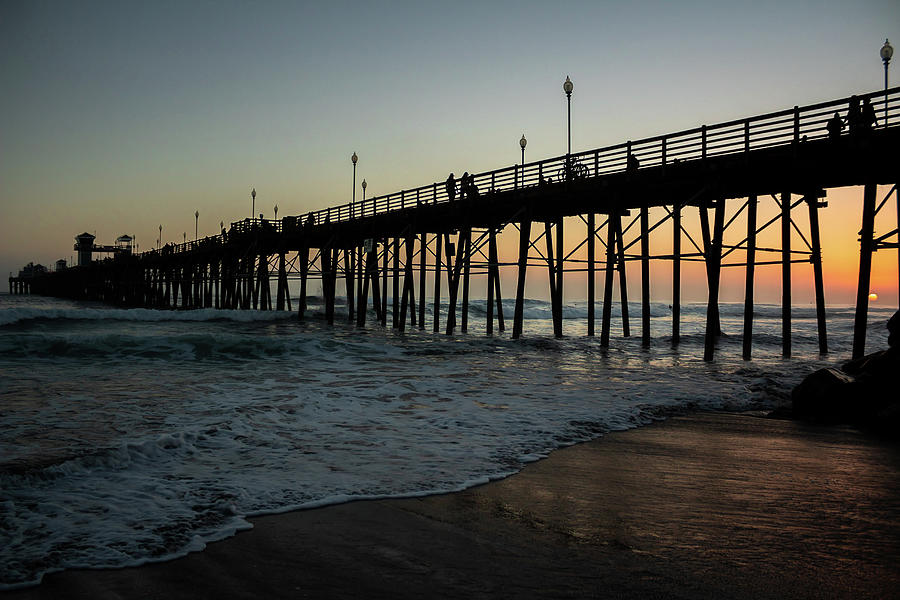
<point>700,506</point>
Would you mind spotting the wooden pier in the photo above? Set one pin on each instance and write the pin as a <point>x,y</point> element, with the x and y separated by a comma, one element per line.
<point>410,238</point>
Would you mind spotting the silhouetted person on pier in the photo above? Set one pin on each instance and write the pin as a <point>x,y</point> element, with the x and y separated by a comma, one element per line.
<point>471,188</point>
<point>451,188</point>
<point>854,115</point>
<point>310,220</point>
<point>464,186</point>
<point>867,118</point>
<point>633,163</point>
<point>835,126</point>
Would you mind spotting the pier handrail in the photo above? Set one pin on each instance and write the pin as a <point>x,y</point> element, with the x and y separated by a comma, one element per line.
<point>780,128</point>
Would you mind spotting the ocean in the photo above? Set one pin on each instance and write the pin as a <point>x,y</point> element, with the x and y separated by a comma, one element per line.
<point>131,436</point>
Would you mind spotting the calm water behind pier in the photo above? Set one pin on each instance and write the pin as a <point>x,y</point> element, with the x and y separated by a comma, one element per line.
<point>129,436</point>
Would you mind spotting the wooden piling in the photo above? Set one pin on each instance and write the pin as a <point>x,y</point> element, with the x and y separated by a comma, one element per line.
<point>608,280</point>
<point>384,281</point>
<point>454,276</point>
<point>866,246</point>
<point>812,200</point>
<point>362,296</point>
<point>786,274</point>
<point>676,273</point>
<point>551,273</point>
<point>423,271</point>
<point>395,296</point>
<point>524,244</point>
<point>467,264</point>
<point>560,268</point>
<point>590,273</point>
<point>645,277</point>
<point>747,341</point>
<point>623,277</point>
<point>407,282</point>
<point>714,260</point>
<point>372,265</point>
<point>489,307</point>
<point>438,266</point>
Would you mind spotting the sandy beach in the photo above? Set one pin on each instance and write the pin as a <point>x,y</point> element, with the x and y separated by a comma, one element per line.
<point>707,505</point>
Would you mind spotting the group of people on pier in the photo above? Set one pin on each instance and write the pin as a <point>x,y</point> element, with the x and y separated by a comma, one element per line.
<point>467,187</point>
<point>860,118</point>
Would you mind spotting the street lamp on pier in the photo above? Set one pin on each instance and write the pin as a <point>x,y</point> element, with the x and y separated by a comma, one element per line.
<point>276,212</point>
<point>522,143</point>
<point>196,223</point>
<point>364,184</point>
<point>568,86</point>
<point>184,237</point>
<point>159,241</point>
<point>887,51</point>
<point>353,159</point>
<point>253,204</point>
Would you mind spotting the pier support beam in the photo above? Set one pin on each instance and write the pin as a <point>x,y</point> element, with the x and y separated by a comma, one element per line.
<point>395,296</point>
<point>554,276</point>
<point>408,301</point>
<point>812,200</point>
<point>786,274</point>
<point>493,285</point>
<point>384,281</point>
<point>623,276</point>
<point>866,234</point>
<point>645,277</point>
<point>608,279</point>
<point>524,244</point>
<point>467,264</point>
<point>590,272</point>
<point>423,270</point>
<point>438,266</point>
<point>714,263</point>
<point>676,274</point>
<point>747,340</point>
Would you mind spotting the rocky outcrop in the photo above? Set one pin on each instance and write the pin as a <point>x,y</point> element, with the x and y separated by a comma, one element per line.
<point>865,391</point>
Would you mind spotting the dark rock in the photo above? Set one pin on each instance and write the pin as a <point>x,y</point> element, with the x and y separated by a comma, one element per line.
<point>821,395</point>
<point>864,391</point>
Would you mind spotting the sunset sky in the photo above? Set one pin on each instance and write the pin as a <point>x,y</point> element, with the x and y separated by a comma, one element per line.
<point>117,117</point>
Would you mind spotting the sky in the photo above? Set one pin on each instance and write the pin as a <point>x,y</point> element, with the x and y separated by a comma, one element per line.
<point>118,117</point>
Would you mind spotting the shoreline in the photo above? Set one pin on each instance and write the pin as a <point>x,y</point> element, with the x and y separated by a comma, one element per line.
<point>699,506</point>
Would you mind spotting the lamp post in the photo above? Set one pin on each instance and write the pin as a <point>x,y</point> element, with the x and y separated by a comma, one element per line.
<point>196,223</point>
<point>353,159</point>
<point>184,237</point>
<point>522,143</point>
<point>221,225</point>
<point>568,86</point>
<point>159,241</point>
<point>364,184</point>
<point>887,51</point>
<point>253,204</point>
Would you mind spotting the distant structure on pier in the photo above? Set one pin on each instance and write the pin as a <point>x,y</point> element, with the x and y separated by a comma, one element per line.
<point>86,248</point>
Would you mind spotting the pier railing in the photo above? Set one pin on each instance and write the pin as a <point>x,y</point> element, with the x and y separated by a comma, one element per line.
<point>782,128</point>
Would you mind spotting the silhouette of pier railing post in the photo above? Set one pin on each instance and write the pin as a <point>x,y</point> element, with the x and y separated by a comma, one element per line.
<point>728,168</point>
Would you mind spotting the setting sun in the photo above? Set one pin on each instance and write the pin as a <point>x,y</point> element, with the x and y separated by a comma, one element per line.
<point>873,296</point>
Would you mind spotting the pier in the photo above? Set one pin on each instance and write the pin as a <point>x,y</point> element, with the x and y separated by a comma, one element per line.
<point>586,212</point>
